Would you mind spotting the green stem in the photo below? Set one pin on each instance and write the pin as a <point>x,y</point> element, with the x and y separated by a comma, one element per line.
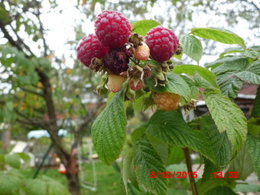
<point>189,167</point>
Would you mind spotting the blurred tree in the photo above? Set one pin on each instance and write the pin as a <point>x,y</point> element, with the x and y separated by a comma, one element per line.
<point>36,90</point>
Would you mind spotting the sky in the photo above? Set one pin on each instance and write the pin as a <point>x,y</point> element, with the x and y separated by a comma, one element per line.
<point>60,26</point>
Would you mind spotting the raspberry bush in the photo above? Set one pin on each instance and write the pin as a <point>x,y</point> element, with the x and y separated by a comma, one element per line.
<point>141,67</point>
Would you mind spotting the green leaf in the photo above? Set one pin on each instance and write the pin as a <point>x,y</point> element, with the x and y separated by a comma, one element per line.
<point>227,79</point>
<point>172,129</point>
<point>178,167</point>
<point>160,147</point>
<point>4,15</point>
<point>24,156</point>
<point>2,161</point>
<point>109,130</point>
<point>242,164</point>
<point>192,47</point>
<point>209,169</point>
<point>228,117</point>
<point>219,143</point>
<point>231,50</point>
<point>256,108</point>
<point>36,187</point>
<point>176,84</point>
<point>192,69</point>
<point>220,35</point>
<point>210,184</point>
<point>146,160</point>
<point>220,61</point>
<point>251,74</point>
<point>143,26</point>
<point>176,155</point>
<point>253,148</point>
<point>127,170</point>
<point>13,160</point>
<point>223,190</point>
<point>229,84</point>
<point>247,188</point>
<point>254,127</point>
<point>10,184</point>
<point>139,132</point>
<point>252,54</point>
<point>55,187</point>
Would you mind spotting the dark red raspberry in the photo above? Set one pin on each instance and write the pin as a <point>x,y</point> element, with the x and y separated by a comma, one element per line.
<point>116,60</point>
<point>112,29</point>
<point>162,42</point>
<point>89,48</point>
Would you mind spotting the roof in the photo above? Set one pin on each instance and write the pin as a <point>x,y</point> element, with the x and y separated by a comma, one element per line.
<point>44,133</point>
<point>248,89</point>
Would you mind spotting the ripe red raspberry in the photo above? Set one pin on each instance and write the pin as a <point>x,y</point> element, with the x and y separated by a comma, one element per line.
<point>167,101</point>
<point>116,60</point>
<point>112,29</point>
<point>162,42</point>
<point>89,48</point>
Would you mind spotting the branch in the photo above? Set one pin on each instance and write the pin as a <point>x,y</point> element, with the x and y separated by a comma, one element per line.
<point>31,121</point>
<point>9,38</point>
<point>189,167</point>
<point>47,95</point>
<point>252,3</point>
<point>21,42</point>
<point>32,91</point>
<point>37,14</point>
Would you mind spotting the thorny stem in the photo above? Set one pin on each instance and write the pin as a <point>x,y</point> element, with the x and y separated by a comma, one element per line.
<point>189,167</point>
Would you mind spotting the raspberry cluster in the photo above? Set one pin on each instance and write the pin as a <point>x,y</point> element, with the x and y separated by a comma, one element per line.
<point>124,56</point>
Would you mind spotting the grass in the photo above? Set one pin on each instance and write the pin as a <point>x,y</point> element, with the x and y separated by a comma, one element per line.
<point>108,178</point>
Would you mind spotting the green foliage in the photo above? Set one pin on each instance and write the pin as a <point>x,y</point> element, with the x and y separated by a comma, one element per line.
<point>4,15</point>
<point>243,163</point>
<point>211,184</point>
<point>220,35</point>
<point>203,72</point>
<point>145,161</point>
<point>221,190</point>
<point>159,146</point>
<point>247,188</point>
<point>219,143</point>
<point>253,148</point>
<point>142,27</point>
<point>176,155</point>
<point>176,84</point>
<point>10,182</point>
<point>127,170</point>
<point>36,187</point>
<point>192,47</point>
<point>109,130</point>
<point>13,182</point>
<point>256,108</point>
<point>227,79</point>
<point>225,59</point>
<point>13,160</point>
<point>228,117</point>
<point>175,131</point>
<point>251,74</point>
